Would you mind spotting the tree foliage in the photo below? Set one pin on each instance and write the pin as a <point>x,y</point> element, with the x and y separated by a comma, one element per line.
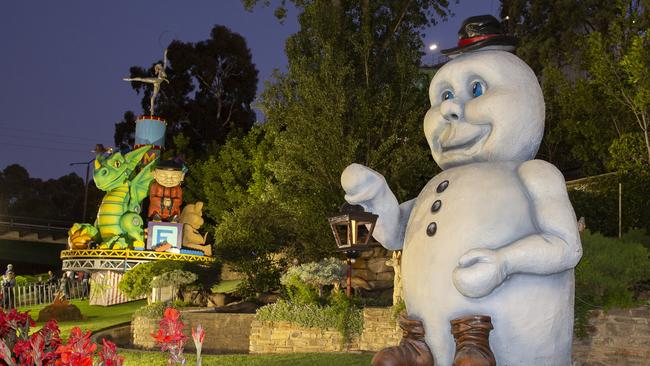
<point>212,84</point>
<point>619,61</point>
<point>257,239</point>
<point>53,199</point>
<point>350,95</point>
<point>577,49</point>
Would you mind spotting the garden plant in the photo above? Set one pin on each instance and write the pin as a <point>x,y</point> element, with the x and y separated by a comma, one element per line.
<point>46,348</point>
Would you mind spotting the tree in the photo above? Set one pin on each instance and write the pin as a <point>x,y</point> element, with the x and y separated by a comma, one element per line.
<point>619,61</point>
<point>563,42</point>
<point>350,95</point>
<point>53,199</point>
<point>212,84</point>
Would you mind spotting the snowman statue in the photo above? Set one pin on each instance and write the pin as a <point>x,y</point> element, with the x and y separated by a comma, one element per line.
<point>490,244</point>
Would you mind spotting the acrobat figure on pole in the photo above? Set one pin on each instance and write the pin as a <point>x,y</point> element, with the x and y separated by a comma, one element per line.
<point>161,76</point>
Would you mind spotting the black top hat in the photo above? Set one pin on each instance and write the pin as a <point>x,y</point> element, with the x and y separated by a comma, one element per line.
<point>169,165</point>
<point>481,31</point>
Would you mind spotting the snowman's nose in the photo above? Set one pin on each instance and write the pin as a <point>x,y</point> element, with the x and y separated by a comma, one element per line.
<point>451,110</point>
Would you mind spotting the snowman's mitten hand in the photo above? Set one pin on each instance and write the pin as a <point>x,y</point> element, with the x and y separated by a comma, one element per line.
<point>364,186</point>
<point>479,272</point>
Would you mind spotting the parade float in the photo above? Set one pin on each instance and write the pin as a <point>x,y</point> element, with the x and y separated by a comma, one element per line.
<point>126,233</point>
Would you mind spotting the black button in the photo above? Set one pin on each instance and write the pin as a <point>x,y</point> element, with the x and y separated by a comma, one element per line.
<point>436,206</point>
<point>432,228</point>
<point>442,186</point>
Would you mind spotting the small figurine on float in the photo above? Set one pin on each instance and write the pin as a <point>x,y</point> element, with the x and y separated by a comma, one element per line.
<point>192,220</point>
<point>166,194</point>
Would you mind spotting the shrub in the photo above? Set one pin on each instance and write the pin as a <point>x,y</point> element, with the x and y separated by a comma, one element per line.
<point>253,239</point>
<point>175,278</point>
<point>137,282</point>
<point>342,314</point>
<point>598,203</point>
<point>606,274</point>
<point>155,310</point>
<point>304,283</point>
<point>21,281</point>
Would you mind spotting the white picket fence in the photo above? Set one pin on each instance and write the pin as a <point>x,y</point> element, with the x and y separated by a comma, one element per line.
<point>36,294</point>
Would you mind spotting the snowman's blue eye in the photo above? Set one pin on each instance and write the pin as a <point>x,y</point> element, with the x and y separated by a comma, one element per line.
<point>447,94</point>
<point>477,89</point>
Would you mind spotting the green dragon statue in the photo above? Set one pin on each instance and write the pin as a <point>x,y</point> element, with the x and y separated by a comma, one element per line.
<point>118,224</point>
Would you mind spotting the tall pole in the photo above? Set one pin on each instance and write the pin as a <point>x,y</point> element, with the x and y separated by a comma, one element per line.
<point>620,210</point>
<point>86,193</point>
<point>85,208</point>
<point>348,289</point>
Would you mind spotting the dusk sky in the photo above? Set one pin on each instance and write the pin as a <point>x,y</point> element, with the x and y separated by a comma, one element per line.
<point>62,64</point>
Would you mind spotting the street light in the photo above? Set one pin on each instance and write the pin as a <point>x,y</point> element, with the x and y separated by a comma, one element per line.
<point>352,230</point>
<point>83,219</point>
<point>433,47</point>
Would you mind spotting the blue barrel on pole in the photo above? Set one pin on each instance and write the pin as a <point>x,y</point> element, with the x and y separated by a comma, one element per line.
<point>150,130</point>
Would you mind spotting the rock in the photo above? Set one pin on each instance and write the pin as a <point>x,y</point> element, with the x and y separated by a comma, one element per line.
<point>358,282</point>
<point>61,311</point>
<point>382,285</point>
<point>268,298</point>
<point>385,276</point>
<point>217,300</point>
<point>378,265</point>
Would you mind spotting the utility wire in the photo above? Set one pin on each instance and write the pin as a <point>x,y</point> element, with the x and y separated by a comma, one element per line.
<point>45,139</point>
<point>6,126</point>
<point>3,144</point>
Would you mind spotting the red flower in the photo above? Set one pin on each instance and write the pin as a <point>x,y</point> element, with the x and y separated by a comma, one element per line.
<point>170,335</point>
<point>78,351</point>
<point>108,355</point>
<point>172,314</point>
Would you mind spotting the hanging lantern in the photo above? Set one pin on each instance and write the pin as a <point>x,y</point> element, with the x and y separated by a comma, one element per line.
<point>352,230</point>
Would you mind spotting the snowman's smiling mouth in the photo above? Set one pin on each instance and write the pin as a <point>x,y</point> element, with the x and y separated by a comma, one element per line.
<point>462,136</point>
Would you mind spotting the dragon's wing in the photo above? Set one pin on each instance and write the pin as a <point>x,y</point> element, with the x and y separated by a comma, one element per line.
<point>139,187</point>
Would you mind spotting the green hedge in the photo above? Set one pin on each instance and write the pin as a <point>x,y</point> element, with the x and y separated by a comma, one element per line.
<point>607,273</point>
<point>341,314</point>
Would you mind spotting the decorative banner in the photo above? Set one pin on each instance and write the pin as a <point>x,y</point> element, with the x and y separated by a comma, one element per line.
<point>103,289</point>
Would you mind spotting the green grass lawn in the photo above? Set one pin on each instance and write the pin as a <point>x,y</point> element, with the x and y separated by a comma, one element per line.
<point>97,317</point>
<point>295,359</point>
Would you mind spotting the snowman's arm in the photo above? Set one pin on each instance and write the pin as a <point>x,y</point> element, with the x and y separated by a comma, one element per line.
<point>556,246</point>
<point>366,187</point>
<point>391,223</point>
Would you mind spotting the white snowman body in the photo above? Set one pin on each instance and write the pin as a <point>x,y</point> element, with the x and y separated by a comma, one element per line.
<point>494,233</point>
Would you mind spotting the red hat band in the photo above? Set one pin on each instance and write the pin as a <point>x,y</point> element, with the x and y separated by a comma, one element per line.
<point>467,41</point>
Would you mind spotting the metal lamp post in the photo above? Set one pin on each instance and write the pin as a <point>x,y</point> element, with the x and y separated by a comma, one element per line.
<point>87,164</point>
<point>352,230</point>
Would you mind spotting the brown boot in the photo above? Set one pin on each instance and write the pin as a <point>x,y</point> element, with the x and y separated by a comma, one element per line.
<point>472,341</point>
<point>412,350</point>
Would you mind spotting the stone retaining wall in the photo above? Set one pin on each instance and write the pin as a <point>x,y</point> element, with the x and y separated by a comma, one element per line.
<point>379,330</point>
<point>618,337</point>
<point>285,337</point>
<point>226,333</point>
